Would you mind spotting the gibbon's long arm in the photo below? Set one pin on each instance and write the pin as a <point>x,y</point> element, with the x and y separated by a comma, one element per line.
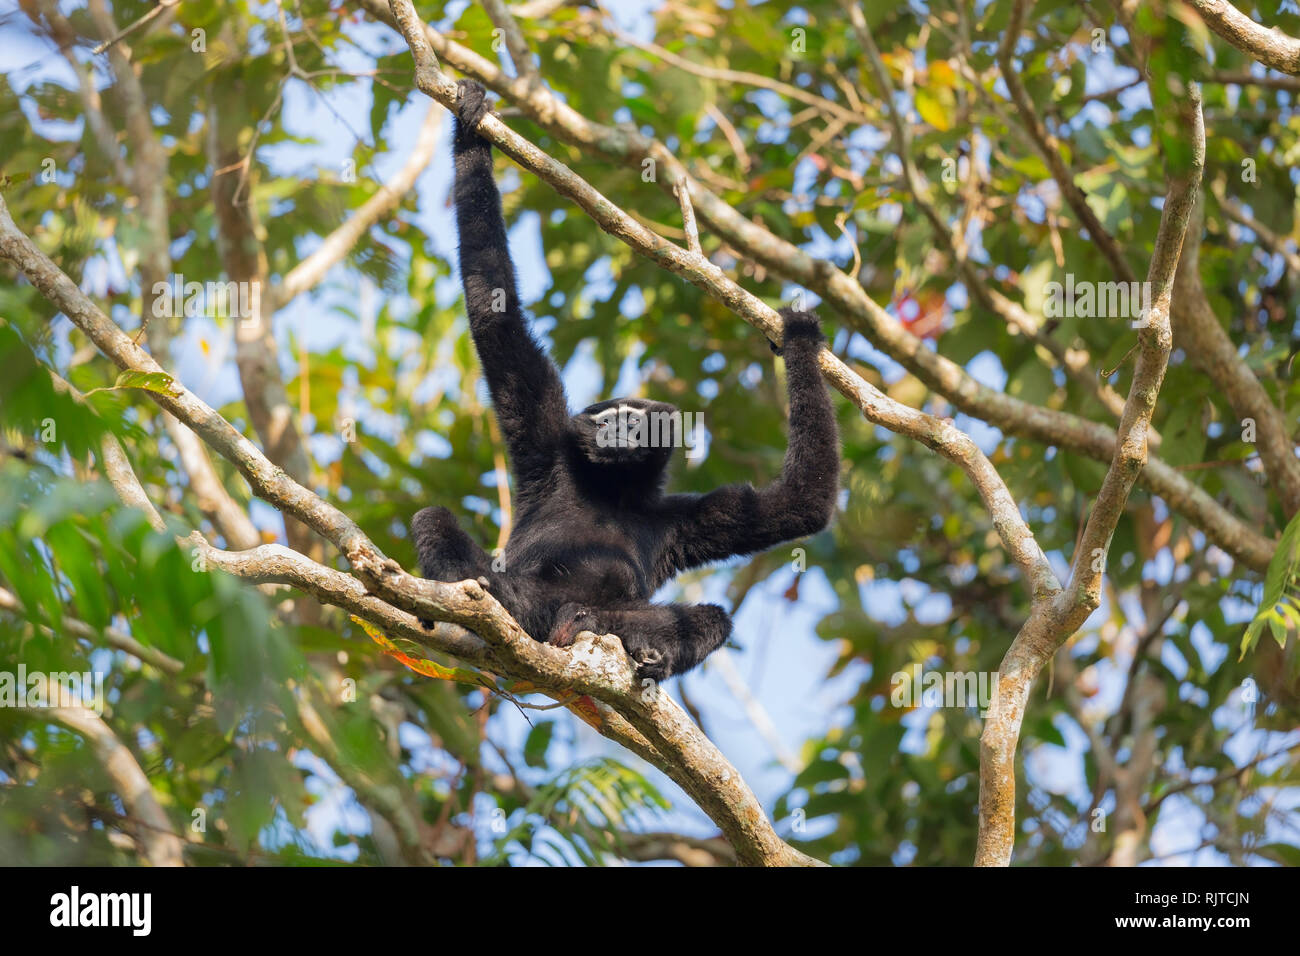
<point>739,519</point>
<point>526,390</point>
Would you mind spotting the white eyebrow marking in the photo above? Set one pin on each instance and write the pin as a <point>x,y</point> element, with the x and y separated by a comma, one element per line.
<point>611,414</point>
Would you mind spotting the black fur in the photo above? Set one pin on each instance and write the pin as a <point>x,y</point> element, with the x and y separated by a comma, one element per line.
<point>594,534</point>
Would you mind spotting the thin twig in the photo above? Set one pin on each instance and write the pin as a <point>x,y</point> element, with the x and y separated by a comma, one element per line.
<point>683,191</point>
<point>163,5</point>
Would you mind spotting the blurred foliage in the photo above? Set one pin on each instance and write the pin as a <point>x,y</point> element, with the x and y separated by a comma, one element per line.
<point>269,718</point>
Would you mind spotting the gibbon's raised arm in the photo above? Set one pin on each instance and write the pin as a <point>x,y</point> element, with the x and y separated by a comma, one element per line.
<point>739,519</point>
<point>527,394</point>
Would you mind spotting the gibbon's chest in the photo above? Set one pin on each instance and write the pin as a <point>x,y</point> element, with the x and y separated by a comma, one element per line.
<point>604,552</point>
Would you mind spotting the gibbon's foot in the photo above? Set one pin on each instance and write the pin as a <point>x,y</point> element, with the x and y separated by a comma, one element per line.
<point>471,106</point>
<point>651,661</point>
<point>797,325</point>
<point>569,621</point>
<point>484,583</point>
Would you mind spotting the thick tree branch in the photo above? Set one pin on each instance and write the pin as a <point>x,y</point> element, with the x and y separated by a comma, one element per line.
<point>1155,340</point>
<point>1051,623</point>
<point>597,666</point>
<point>1271,47</point>
<point>659,732</point>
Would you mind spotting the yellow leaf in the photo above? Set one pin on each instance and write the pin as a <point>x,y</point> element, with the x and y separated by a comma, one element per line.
<point>586,709</point>
<point>933,110</point>
<point>584,706</point>
<point>424,666</point>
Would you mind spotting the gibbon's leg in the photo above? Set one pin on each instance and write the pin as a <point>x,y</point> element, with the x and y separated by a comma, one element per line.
<point>446,552</point>
<point>664,639</point>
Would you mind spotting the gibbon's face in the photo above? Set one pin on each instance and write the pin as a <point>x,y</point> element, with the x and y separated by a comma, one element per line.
<point>628,431</point>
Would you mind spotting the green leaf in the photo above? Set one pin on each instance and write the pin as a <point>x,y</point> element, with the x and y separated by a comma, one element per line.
<point>539,740</point>
<point>1283,853</point>
<point>159,382</point>
<point>1278,628</point>
<point>1281,576</point>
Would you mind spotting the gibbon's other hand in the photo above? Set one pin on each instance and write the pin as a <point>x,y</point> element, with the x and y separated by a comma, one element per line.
<point>797,325</point>
<point>471,107</point>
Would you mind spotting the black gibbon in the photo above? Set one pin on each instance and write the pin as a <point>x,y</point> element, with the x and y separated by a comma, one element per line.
<point>594,535</point>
